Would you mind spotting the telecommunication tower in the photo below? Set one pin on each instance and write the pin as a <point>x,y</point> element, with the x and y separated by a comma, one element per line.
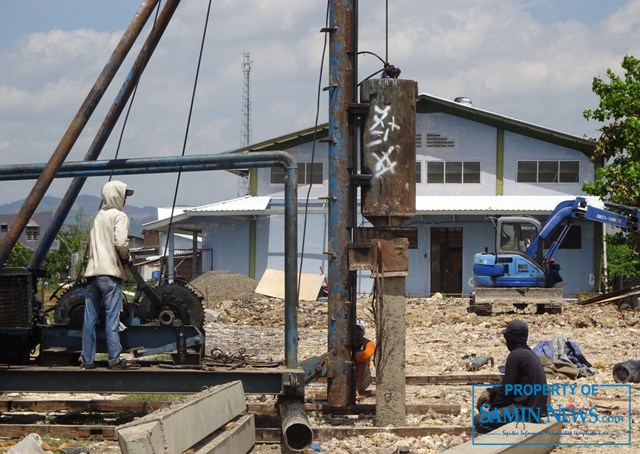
<point>246,100</point>
<point>245,129</point>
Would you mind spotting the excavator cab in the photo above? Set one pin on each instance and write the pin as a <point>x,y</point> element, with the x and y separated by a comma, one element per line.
<point>516,233</point>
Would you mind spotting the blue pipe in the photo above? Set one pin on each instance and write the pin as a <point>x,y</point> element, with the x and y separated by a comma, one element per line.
<point>210,162</point>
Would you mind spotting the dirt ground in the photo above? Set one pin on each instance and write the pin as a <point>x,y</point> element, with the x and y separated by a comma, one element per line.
<point>440,332</point>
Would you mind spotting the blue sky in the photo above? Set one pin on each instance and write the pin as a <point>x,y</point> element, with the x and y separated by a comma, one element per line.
<point>533,60</point>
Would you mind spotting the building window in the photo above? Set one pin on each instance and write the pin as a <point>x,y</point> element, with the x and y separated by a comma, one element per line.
<point>308,173</point>
<point>548,172</point>
<point>4,227</point>
<point>33,233</point>
<point>418,171</point>
<point>418,140</point>
<point>439,141</point>
<point>453,172</point>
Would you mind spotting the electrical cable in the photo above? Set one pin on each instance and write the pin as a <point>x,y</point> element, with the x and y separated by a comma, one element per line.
<point>313,151</point>
<point>186,134</point>
<point>120,137</point>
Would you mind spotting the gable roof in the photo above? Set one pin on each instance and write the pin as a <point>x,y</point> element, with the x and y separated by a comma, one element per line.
<point>428,103</point>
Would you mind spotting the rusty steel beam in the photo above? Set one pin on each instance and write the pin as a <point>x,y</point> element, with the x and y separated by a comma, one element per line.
<point>341,76</point>
<point>105,130</point>
<point>75,128</point>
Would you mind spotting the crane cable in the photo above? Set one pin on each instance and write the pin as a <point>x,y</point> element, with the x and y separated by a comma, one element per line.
<point>85,256</point>
<point>186,134</point>
<point>313,152</point>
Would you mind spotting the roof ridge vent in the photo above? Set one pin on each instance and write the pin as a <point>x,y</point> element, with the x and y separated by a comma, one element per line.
<point>464,100</point>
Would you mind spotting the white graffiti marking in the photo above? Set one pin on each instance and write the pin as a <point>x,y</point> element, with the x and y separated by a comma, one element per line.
<point>384,164</point>
<point>381,131</point>
<point>379,120</point>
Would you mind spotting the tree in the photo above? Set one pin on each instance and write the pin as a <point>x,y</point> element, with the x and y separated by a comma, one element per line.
<point>617,151</point>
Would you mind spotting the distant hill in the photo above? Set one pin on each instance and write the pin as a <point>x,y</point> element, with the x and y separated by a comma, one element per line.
<point>89,204</point>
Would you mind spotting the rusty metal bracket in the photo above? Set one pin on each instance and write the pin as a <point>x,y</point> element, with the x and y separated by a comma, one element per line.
<point>360,109</point>
<point>361,179</point>
<point>388,258</point>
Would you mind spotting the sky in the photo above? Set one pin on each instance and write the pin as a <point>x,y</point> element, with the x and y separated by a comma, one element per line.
<point>532,60</point>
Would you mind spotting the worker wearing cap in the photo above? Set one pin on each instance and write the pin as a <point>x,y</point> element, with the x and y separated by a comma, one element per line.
<point>523,367</point>
<point>364,350</point>
<point>553,278</point>
<point>109,248</point>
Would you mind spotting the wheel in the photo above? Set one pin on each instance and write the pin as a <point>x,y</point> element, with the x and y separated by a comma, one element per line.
<point>179,302</point>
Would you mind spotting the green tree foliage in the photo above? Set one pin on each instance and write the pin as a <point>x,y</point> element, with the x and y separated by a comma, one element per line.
<point>617,153</point>
<point>20,255</point>
<point>72,240</point>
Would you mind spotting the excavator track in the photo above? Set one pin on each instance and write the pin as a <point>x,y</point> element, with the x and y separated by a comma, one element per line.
<point>488,300</point>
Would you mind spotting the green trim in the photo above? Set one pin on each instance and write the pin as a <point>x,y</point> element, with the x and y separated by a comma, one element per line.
<point>253,182</point>
<point>500,161</point>
<point>252,248</point>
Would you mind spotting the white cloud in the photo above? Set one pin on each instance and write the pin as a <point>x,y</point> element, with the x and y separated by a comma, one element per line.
<point>500,53</point>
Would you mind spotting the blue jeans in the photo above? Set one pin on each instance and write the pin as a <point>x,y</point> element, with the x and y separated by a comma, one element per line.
<point>103,292</point>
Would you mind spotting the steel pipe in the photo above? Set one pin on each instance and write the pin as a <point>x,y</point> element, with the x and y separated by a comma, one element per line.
<point>627,372</point>
<point>295,425</point>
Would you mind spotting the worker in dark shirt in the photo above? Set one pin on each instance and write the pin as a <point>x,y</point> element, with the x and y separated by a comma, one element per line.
<point>513,401</point>
<point>554,280</point>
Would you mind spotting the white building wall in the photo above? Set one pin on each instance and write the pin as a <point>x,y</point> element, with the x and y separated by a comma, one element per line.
<point>301,153</point>
<point>518,147</point>
<point>228,237</point>
<point>473,142</point>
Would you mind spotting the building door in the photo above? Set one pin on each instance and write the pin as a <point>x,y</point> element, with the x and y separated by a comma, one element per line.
<point>446,260</point>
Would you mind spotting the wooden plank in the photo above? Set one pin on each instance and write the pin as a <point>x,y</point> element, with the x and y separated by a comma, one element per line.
<point>58,430</point>
<point>271,435</point>
<point>455,379</point>
<point>413,409</point>
<point>107,405</point>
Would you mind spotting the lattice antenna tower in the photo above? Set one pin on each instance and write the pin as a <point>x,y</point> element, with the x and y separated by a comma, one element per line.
<point>246,100</point>
<point>245,129</point>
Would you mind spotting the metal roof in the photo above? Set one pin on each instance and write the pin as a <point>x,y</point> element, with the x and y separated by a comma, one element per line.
<point>493,205</point>
<point>241,204</point>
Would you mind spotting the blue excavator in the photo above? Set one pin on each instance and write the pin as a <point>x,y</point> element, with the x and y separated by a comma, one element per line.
<point>516,272</point>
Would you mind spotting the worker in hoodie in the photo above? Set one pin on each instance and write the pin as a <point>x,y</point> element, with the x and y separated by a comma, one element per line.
<point>522,396</point>
<point>109,249</point>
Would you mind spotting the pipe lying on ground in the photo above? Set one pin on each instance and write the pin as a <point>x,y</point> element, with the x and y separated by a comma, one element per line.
<point>627,372</point>
<point>296,429</point>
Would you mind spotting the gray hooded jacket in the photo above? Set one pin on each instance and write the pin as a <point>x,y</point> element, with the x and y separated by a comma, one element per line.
<point>108,237</point>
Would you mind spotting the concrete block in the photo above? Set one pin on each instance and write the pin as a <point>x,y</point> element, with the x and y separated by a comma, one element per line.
<point>185,423</point>
<point>238,440</point>
<point>495,442</point>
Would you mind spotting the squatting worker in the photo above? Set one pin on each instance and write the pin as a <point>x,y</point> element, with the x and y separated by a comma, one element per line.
<point>364,350</point>
<point>109,248</point>
<point>500,405</point>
